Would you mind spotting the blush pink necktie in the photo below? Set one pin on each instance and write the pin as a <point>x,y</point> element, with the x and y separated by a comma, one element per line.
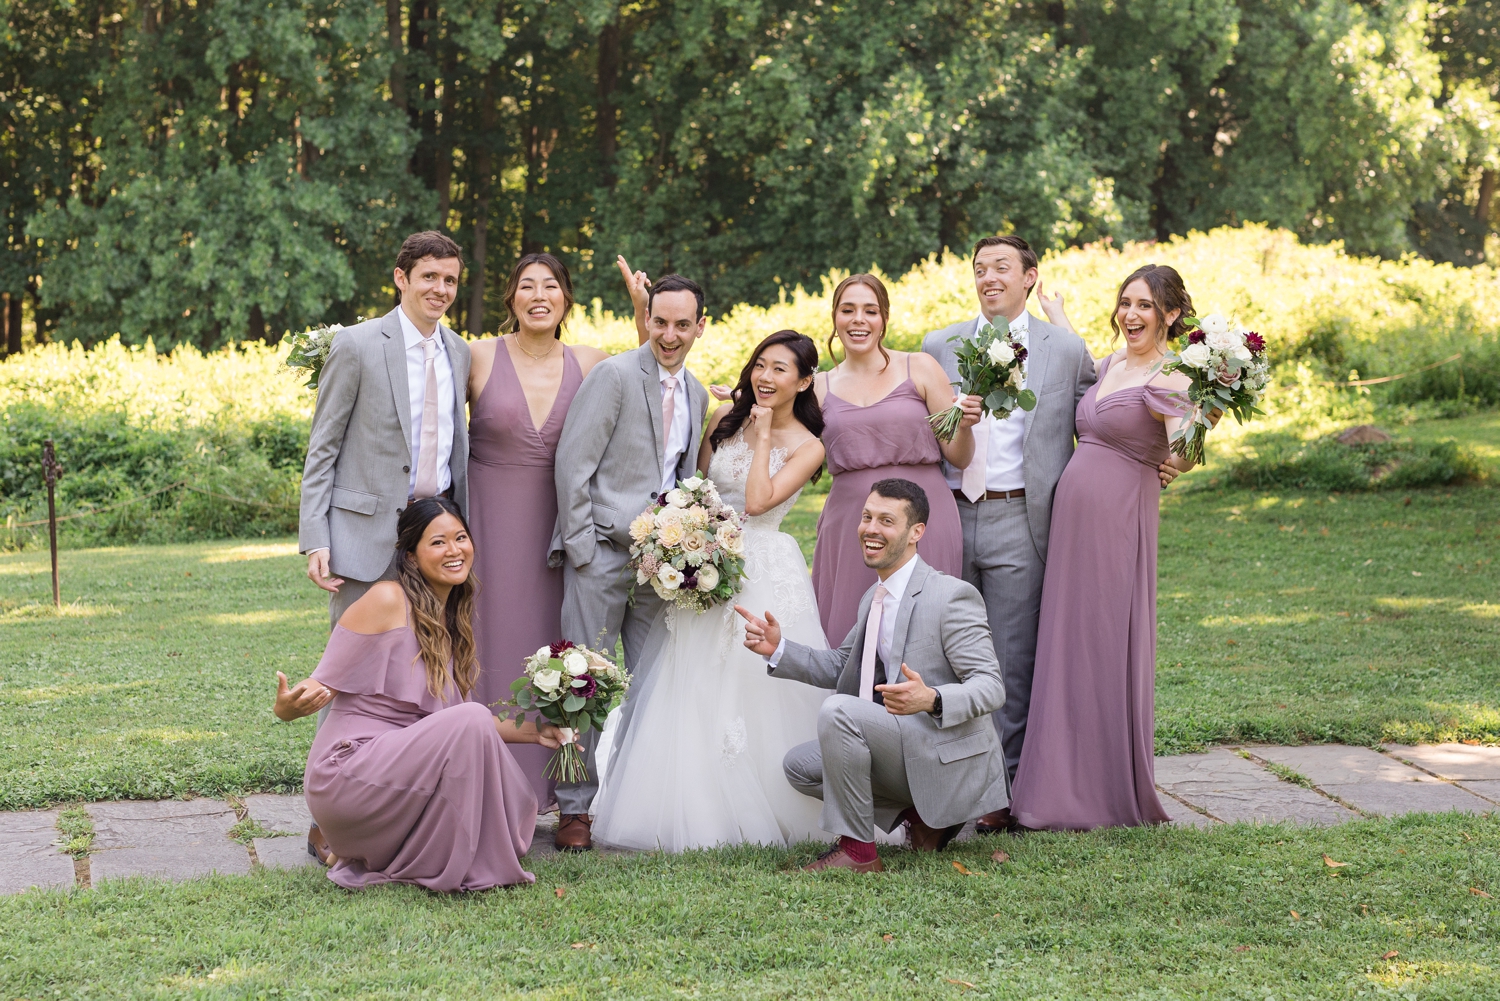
<point>668,409</point>
<point>872,643</point>
<point>972,485</point>
<point>427,480</point>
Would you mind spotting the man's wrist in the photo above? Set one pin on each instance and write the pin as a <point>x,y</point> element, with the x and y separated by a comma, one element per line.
<point>936,709</point>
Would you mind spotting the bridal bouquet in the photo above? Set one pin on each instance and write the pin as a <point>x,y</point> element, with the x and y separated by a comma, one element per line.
<point>689,546</point>
<point>1228,370</point>
<point>571,687</point>
<point>310,350</point>
<point>991,367</point>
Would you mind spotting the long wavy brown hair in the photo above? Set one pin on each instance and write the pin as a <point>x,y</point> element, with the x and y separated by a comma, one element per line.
<point>882,301</point>
<point>445,631</point>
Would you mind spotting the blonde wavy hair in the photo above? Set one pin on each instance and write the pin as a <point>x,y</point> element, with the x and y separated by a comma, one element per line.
<point>445,631</point>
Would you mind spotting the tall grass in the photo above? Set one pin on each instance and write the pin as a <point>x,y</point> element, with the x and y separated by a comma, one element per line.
<point>233,424</point>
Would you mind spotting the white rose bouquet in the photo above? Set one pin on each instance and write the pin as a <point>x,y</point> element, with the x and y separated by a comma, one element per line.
<point>574,688</point>
<point>1228,369</point>
<point>689,546</point>
<point>991,366</point>
<point>310,350</point>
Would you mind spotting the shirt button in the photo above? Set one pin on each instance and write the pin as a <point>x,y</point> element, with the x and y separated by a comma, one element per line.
<point>406,469</point>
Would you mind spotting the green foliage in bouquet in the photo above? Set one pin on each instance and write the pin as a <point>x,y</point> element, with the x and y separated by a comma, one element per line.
<point>310,351</point>
<point>571,687</point>
<point>991,366</point>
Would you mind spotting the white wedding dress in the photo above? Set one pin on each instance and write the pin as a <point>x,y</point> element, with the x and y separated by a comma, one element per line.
<point>700,762</point>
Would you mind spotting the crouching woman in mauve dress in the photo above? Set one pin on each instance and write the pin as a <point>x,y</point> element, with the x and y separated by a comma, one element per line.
<point>409,781</point>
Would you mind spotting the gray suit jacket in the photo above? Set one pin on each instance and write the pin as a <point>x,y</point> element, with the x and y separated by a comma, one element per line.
<point>358,471</point>
<point>953,763</point>
<point>1059,370</point>
<point>609,456</point>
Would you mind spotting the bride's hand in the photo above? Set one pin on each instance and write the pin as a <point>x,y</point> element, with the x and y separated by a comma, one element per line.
<point>760,422</point>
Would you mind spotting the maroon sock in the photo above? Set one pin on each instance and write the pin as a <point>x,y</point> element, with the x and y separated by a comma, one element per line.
<point>859,851</point>
<point>909,814</point>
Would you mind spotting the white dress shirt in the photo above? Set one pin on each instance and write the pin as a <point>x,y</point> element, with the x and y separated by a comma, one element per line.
<point>416,388</point>
<point>895,589</point>
<point>680,433</point>
<point>1004,468</point>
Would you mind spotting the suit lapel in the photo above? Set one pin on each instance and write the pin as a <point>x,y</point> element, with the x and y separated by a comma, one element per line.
<point>903,619</point>
<point>1039,349</point>
<point>652,387</point>
<point>395,367</point>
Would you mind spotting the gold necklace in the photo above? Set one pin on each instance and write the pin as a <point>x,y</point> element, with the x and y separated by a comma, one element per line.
<point>541,357</point>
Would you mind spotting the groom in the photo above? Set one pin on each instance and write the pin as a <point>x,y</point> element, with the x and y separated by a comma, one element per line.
<point>632,430</point>
<point>918,747</point>
<point>1005,495</point>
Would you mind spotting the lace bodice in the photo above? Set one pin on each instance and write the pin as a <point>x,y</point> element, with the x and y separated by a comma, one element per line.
<point>730,469</point>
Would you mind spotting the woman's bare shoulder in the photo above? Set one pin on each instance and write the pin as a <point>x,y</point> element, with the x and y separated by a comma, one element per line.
<point>381,609</point>
<point>588,356</point>
<point>484,348</point>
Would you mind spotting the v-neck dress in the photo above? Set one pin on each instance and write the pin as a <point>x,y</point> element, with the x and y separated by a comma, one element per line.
<point>512,514</point>
<point>1089,759</point>
<point>889,438</point>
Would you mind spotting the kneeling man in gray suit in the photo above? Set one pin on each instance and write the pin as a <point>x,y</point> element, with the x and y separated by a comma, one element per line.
<point>918,747</point>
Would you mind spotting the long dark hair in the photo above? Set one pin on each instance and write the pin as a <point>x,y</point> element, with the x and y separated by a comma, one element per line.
<point>805,407</point>
<point>443,631</point>
<point>1167,293</point>
<point>513,284</point>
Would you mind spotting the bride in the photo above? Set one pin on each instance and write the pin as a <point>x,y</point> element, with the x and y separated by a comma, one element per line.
<point>700,763</point>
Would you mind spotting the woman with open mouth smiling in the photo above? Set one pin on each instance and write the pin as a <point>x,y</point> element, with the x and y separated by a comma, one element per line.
<point>875,406</point>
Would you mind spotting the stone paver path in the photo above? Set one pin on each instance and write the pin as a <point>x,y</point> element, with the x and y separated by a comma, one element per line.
<point>1315,784</point>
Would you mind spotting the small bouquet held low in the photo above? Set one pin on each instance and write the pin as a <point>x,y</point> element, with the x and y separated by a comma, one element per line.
<point>310,351</point>
<point>574,688</point>
<point>991,366</point>
<point>1228,371</point>
<point>689,546</point>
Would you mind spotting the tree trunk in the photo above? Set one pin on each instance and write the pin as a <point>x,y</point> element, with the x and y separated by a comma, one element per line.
<point>480,184</point>
<point>257,330</point>
<point>1487,181</point>
<point>606,116</point>
<point>398,52</point>
<point>13,323</point>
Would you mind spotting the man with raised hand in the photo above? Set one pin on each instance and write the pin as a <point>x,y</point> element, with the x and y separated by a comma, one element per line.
<point>632,431</point>
<point>1005,494</point>
<point>906,737</point>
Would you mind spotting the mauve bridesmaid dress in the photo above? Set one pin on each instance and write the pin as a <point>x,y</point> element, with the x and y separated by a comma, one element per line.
<point>409,788</point>
<point>1088,760</point>
<point>512,512</point>
<point>889,438</point>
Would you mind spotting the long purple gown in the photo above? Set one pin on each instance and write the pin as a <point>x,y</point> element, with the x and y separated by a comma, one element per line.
<point>409,788</point>
<point>889,438</point>
<point>512,510</point>
<point>1088,760</point>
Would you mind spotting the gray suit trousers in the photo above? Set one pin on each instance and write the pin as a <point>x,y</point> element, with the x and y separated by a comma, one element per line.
<point>596,614</point>
<point>856,767</point>
<point>339,601</point>
<point>1001,560</point>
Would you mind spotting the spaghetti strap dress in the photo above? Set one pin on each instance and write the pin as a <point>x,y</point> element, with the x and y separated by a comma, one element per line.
<point>889,438</point>
<point>1089,755</point>
<point>407,787</point>
<point>512,512</point>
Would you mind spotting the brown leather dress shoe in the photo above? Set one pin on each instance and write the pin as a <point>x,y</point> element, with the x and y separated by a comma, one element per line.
<point>574,833</point>
<point>922,838</point>
<point>994,823</point>
<point>837,858</point>
<point>317,846</point>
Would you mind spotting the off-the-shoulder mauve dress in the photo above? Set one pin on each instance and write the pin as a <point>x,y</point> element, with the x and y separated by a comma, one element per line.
<point>889,438</point>
<point>1089,760</point>
<point>409,788</point>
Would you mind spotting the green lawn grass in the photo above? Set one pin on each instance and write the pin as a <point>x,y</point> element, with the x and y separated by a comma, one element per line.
<point>1238,913</point>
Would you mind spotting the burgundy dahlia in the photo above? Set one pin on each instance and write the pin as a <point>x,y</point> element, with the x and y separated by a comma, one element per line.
<point>1196,336</point>
<point>1020,355</point>
<point>588,690</point>
<point>1255,342</point>
<point>691,583</point>
<point>560,646</point>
